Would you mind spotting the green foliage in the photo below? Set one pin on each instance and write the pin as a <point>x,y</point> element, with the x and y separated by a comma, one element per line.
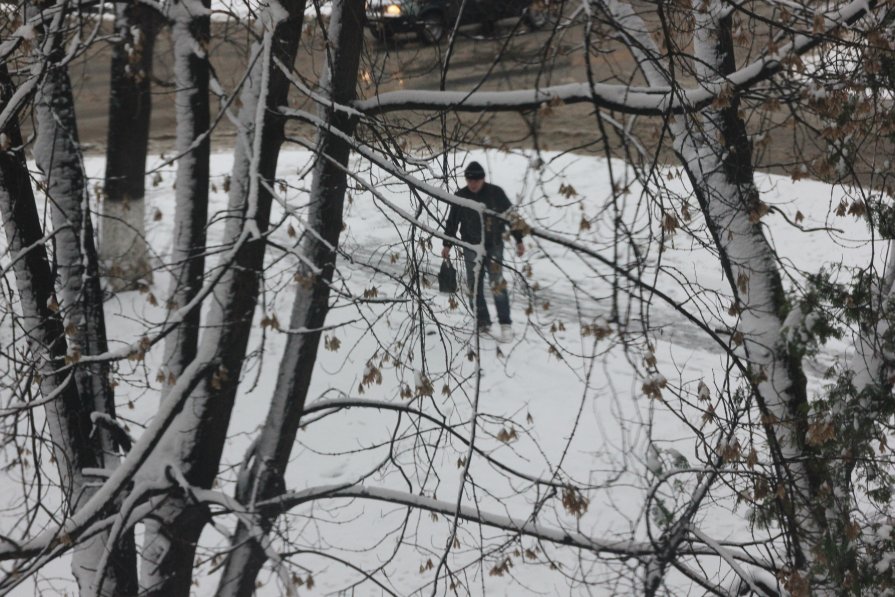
<point>662,515</point>
<point>883,218</point>
<point>812,320</point>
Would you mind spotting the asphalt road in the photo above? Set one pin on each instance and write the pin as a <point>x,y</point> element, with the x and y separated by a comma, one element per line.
<point>510,58</point>
<point>527,58</point>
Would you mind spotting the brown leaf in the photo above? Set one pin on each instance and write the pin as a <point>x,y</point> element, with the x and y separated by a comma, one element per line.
<point>332,343</point>
<point>669,223</point>
<point>270,321</point>
<point>751,458</point>
<point>841,208</point>
<point>703,392</point>
<point>819,433</point>
<point>731,452</point>
<point>723,99</point>
<point>574,501</point>
<point>506,436</point>
<point>501,568</point>
<point>857,209</point>
<point>760,210</point>
<point>567,190</point>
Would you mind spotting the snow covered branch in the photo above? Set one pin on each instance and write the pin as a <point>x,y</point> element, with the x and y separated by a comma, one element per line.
<point>634,549</point>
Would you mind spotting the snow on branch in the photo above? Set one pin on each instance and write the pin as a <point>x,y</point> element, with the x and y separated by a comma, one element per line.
<point>21,405</point>
<point>473,513</point>
<point>79,523</point>
<point>727,557</point>
<point>622,98</point>
<point>116,429</point>
<point>16,103</point>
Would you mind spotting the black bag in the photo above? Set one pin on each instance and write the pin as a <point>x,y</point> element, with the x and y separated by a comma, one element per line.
<point>447,277</point>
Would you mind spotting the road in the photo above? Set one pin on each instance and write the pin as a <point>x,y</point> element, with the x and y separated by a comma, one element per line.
<point>528,58</point>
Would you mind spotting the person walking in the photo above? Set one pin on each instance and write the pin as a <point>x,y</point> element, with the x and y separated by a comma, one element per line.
<point>471,229</point>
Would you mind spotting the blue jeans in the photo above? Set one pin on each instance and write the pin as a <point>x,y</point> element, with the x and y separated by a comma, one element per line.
<point>493,264</point>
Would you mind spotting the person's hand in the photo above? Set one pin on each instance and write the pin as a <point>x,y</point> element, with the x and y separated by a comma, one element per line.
<point>445,252</point>
<point>520,249</point>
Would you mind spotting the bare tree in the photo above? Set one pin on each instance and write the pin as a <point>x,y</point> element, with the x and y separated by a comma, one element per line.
<point>469,493</point>
<point>86,394</point>
<point>264,475</point>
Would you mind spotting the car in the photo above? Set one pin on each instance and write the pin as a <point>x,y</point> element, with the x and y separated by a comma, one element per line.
<point>431,19</point>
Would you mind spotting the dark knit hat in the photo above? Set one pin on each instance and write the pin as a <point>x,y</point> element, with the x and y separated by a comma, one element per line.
<point>474,171</point>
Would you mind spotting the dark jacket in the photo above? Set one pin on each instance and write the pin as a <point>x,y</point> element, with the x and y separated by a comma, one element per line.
<point>469,223</point>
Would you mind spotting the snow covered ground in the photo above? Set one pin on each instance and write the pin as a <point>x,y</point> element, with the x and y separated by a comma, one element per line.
<point>245,8</point>
<point>557,403</point>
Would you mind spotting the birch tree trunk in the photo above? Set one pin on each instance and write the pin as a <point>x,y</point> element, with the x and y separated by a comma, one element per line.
<point>58,155</point>
<point>264,475</point>
<point>199,434</point>
<point>123,250</point>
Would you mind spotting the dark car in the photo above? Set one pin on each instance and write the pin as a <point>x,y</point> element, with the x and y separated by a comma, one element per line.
<point>430,19</point>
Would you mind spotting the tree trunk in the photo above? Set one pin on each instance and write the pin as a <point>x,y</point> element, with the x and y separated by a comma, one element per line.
<point>264,477</point>
<point>191,71</point>
<point>200,432</point>
<point>724,179</point>
<point>123,249</point>
<point>168,549</point>
<point>716,153</point>
<point>57,153</point>
<point>68,418</point>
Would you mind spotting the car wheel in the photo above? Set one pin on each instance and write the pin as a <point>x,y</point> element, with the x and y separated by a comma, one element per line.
<point>433,27</point>
<point>536,15</point>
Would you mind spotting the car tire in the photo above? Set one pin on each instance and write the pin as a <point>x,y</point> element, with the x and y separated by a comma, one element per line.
<point>432,28</point>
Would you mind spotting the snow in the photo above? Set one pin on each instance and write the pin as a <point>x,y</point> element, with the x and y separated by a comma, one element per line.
<point>228,9</point>
<point>571,404</point>
<point>25,32</point>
